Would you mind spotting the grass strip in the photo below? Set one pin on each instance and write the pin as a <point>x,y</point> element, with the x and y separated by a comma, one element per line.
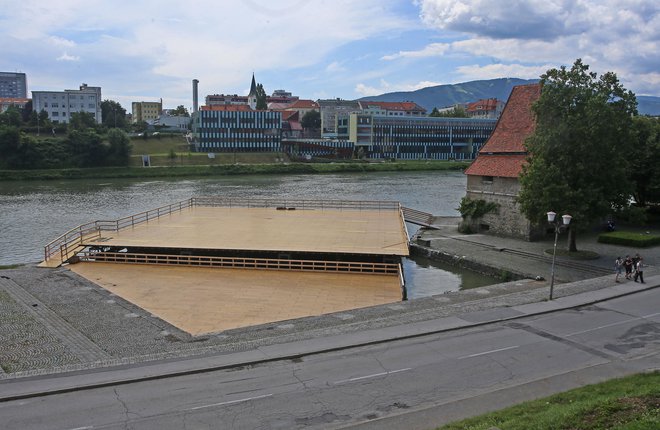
<point>630,403</point>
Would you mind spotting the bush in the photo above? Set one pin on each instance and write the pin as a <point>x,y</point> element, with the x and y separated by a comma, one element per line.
<point>626,238</point>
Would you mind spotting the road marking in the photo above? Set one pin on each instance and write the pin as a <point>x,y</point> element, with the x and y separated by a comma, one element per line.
<point>247,399</point>
<point>83,428</point>
<point>613,324</point>
<point>375,375</point>
<point>489,352</point>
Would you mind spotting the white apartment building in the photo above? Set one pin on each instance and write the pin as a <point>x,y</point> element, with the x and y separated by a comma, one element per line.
<point>61,104</point>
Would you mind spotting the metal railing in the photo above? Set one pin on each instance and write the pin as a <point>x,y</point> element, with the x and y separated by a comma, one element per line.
<point>241,263</point>
<point>302,204</point>
<point>68,243</point>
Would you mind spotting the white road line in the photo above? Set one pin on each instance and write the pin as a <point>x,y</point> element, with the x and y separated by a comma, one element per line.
<point>489,352</point>
<point>83,428</point>
<point>613,324</point>
<point>247,399</point>
<point>375,375</point>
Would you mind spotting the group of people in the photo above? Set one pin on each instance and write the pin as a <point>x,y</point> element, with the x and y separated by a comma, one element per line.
<point>634,268</point>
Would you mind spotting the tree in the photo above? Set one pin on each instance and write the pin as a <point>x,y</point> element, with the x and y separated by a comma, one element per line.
<point>578,153</point>
<point>82,121</point>
<point>87,148</point>
<point>119,151</point>
<point>311,120</point>
<point>261,98</point>
<point>113,115</point>
<point>645,159</point>
<point>180,111</point>
<point>11,117</point>
<point>456,112</point>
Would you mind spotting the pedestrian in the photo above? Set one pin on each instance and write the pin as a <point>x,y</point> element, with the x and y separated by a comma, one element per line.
<point>639,270</point>
<point>628,265</point>
<point>618,265</point>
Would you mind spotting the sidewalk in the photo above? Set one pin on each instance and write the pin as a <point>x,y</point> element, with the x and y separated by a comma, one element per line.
<point>14,389</point>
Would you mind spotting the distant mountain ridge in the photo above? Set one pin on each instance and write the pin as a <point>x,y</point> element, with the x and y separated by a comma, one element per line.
<point>448,95</point>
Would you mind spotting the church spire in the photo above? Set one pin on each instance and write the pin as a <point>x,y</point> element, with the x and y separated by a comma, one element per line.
<point>252,97</point>
<point>253,86</point>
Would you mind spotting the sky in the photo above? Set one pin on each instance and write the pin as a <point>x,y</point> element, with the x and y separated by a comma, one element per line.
<point>146,50</point>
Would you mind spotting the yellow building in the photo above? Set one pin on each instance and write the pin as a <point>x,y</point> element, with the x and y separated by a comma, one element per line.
<point>146,111</point>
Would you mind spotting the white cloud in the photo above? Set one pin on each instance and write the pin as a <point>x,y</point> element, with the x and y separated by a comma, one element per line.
<point>432,50</point>
<point>523,19</point>
<point>335,67</point>
<point>492,71</point>
<point>60,41</point>
<point>385,87</point>
<point>66,57</point>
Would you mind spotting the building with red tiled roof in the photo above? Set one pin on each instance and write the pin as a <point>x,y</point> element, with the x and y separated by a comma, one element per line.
<point>493,175</point>
<point>6,102</point>
<point>392,108</point>
<point>485,108</point>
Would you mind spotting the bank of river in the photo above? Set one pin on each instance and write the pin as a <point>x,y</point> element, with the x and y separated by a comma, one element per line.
<point>229,170</point>
<point>36,212</point>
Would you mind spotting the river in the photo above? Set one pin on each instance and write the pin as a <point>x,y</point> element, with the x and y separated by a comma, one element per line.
<point>34,213</point>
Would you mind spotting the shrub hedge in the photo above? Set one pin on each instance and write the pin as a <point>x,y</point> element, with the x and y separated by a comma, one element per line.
<point>627,238</point>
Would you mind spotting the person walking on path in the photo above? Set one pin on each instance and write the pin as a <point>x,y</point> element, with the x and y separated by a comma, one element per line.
<point>618,265</point>
<point>639,270</point>
<point>628,264</point>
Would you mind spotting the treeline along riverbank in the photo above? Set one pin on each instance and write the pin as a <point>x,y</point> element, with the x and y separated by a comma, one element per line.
<point>227,169</point>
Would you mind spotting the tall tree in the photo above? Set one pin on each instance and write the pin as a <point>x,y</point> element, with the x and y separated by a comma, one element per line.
<point>180,111</point>
<point>645,159</point>
<point>261,98</point>
<point>82,121</point>
<point>578,154</point>
<point>113,115</point>
<point>311,120</point>
<point>119,151</point>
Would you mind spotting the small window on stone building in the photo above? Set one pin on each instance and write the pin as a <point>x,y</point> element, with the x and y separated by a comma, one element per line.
<point>484,227</point>
<point>487,179</point>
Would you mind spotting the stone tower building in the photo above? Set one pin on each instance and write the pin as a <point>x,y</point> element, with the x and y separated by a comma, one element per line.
<point>493,175</point>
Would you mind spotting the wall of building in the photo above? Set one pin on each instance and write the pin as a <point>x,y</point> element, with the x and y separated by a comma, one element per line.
<point>241,131</point>
<point>146,111</point>
<point>419,137</point>
<point>13,85</point>
<point>508,221</point>
<point>61,104</point>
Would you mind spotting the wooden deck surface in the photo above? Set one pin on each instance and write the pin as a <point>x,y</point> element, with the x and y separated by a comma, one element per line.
<point>269,229</point>
<point>200,300</point>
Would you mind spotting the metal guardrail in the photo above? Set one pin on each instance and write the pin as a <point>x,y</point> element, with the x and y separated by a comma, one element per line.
<point>72,239</point>
<point>242,263</point>
<point>296,203</point>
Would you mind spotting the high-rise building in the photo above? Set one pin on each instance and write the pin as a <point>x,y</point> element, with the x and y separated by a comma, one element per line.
<point>61,104</point>
<point>13,85</point>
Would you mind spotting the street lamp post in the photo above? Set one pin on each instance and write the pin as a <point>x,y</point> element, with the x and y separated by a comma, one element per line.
<point>566,220</point>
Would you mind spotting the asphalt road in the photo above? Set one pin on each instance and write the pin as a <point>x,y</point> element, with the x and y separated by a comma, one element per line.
<point>381,385</point>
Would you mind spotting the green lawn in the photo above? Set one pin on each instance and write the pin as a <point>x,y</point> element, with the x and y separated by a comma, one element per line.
<point>631,403</point>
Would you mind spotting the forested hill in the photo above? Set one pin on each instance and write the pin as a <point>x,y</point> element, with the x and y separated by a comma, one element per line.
<point>448,95</point>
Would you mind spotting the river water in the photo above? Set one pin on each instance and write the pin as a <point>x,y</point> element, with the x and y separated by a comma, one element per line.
<point>34,213</point>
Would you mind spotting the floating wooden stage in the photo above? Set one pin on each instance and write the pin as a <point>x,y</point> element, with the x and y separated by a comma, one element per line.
<point>242,262</point>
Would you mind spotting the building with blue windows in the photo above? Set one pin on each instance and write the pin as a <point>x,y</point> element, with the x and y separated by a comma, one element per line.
<point>415,137</point>
<point>236,128</point>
